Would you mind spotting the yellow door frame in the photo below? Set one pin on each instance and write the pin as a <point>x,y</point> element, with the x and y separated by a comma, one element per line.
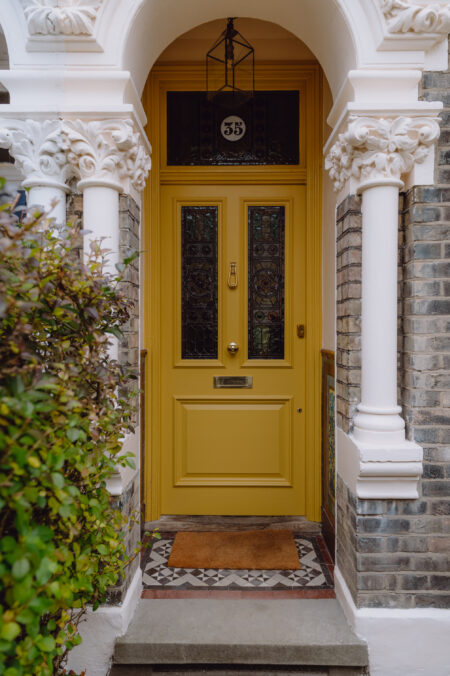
<point>307,78</point>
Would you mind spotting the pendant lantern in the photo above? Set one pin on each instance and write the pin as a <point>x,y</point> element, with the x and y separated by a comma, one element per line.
<point>230,68</point>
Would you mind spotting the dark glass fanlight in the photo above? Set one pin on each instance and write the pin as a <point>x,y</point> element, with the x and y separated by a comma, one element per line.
<point>230,68</point>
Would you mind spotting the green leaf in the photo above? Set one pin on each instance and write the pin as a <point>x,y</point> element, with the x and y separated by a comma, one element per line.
<point>46,643</point>
<point>40,604</point>
<point>26,616</point>
<point>11,671</point>
<point>45,570</point>
<point>9,631</point>
<point>65,511</point>
<point>58,480</point>
<point>17,385</point>
<point>115,332</point>
<point>20,568</point>
<point>74,434</point>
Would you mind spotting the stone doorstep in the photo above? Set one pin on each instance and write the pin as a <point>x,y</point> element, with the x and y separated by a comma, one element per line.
<point>262,633</point>
<point>139,670</point>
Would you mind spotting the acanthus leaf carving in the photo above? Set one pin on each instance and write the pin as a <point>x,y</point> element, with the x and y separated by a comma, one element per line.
<point>107,150</point>
<point>61,17</point>
<point>403,16</point>
<point>38,149</point>
<point>378,149</point>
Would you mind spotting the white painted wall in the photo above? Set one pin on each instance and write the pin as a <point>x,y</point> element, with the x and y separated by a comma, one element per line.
<point>328,239</point>
<point>412,642</point>
<point>328,265</point>
<point>99,631</point>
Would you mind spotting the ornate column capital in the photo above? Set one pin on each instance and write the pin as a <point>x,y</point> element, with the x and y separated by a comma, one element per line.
<point>39,151</point>
<point>378,151</point>
<point>107,153</point>
<point>412,16</point>
<point>61,17</point>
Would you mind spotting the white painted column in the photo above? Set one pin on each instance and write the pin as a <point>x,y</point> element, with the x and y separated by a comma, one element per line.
<point>370,156</point>
<point>378,419</point>
<point>50,198</point>
<point>101,221</point>
<point>101,218</point>
<point>110,158</point>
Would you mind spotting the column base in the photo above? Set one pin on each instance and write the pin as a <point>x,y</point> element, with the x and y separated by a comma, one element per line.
<point>378,425</point>
<point>379,471</point>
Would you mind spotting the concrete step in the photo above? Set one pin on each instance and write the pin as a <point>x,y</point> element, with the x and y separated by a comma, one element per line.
<point>194,636</point>
<point>129,670</point>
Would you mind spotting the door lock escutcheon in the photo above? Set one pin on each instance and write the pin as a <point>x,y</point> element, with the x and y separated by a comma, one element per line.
<point>301,330</point>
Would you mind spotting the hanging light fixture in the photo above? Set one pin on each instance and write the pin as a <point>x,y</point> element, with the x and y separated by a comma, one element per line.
<point>230,68</point>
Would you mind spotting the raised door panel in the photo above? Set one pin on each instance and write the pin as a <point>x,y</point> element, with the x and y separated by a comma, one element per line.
<point>233,441</point>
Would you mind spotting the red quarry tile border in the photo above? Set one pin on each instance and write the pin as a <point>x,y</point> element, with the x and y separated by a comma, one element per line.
<point>237,594</point>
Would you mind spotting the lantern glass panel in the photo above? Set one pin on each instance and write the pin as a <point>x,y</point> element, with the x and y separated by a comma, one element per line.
<point>230,66</point>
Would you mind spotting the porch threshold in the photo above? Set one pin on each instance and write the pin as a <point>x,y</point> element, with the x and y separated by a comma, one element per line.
<point>266,633</point>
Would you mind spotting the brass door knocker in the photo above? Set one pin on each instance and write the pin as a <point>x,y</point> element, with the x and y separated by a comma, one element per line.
<point>232,276</point>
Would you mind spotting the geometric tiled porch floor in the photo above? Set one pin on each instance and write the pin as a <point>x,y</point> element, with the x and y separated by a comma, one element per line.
<point>316,571</point>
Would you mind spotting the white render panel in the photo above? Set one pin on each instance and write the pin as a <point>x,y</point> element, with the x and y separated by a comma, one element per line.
<point>101,629</point>
<point>412,642</point>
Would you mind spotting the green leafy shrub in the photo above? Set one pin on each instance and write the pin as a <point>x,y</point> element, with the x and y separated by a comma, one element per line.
<point>63,416</point>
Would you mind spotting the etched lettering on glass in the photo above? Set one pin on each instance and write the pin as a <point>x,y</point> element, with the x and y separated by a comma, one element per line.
<point>266,282</point>
<point>199,285</point>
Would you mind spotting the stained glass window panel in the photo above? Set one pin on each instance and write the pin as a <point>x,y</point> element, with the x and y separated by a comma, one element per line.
<point>266,282</point>
<point>199,285</point>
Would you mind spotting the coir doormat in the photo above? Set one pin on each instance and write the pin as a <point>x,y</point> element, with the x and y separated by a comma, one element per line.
<point>254,550</point>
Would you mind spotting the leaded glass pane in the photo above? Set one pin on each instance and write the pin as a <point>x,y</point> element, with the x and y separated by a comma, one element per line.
<point>266,282</point>
<point>199,265</point>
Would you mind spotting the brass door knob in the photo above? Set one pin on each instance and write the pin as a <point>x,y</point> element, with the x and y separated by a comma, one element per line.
<point>232,348</point>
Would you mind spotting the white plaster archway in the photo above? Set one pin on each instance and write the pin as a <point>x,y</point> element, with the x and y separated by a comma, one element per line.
<point>306,20</point>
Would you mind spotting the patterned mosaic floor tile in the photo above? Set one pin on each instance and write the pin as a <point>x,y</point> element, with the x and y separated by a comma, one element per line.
<point>314,573</point>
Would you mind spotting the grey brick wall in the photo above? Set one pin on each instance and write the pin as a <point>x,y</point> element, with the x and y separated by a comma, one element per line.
<point>128,503</point>
<point>129,242</point>
<point>394,553</point>
<point>348,310</point>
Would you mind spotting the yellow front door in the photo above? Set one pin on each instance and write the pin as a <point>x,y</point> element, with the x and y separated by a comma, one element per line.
<point>233,400</point>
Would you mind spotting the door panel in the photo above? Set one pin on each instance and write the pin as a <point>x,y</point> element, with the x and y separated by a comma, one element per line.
<point>210,434</point>
<point>231,257</point>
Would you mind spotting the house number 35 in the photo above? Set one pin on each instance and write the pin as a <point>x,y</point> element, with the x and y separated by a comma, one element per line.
<point>233,128</point>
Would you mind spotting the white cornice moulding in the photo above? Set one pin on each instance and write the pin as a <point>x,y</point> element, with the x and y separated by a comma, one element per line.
<point>379,150</point>
<point>406,16</point>
<point>379,93</point>
<point>100,93</point>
